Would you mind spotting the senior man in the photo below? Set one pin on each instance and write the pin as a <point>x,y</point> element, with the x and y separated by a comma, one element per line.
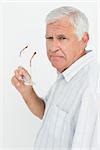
<point>70,109</point>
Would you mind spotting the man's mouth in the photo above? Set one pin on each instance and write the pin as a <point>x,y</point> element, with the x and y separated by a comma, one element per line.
<point>56,57</point>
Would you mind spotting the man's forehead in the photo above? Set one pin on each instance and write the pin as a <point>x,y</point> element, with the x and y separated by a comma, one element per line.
<point>58,28</point>
<point>57,25</point>
<point>63,21</point>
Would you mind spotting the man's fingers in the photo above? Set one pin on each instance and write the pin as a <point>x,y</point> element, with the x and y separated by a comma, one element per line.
<point>17,75</point>
<point>21,78</point>
<point>15,81</point>
<point>23,71</point>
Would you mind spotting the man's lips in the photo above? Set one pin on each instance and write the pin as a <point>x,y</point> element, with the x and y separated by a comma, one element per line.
<point>56,57</point>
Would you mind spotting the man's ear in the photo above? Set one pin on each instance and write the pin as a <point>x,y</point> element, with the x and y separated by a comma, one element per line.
<point>85,38</point>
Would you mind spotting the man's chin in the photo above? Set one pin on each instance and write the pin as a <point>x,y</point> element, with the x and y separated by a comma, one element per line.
<point>58,68</point>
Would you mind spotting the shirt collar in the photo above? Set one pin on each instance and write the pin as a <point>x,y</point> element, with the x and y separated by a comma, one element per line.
<point>77,66</point>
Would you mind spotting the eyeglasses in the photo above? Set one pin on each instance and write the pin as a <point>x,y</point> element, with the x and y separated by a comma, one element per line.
<point>21,51</point>
<point>27,79</point>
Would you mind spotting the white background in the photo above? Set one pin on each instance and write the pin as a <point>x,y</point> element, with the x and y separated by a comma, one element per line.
<point>23,23</point>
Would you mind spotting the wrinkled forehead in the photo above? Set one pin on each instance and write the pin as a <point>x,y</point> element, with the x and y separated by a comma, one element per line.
<point>61,25</point>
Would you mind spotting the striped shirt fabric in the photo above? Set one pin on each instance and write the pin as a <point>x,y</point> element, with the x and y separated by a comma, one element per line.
<point>63,103</point>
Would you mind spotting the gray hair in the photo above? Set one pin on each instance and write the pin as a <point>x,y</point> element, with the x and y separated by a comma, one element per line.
<point>77,18</point>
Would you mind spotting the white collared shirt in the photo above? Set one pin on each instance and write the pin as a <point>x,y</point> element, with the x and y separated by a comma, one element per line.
<point>63,105</point>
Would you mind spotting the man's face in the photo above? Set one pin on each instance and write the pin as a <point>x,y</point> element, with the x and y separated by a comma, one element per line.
<point>63,46</point>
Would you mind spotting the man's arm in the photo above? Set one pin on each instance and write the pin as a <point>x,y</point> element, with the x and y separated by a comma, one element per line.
<point>33,101</point>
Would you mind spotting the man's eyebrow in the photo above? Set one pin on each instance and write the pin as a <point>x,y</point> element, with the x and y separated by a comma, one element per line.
<point>57,35</point>
<point>48,36</point>
<point>61,35</point>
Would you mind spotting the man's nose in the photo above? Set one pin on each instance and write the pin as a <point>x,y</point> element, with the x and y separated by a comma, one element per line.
<point>55,46</point>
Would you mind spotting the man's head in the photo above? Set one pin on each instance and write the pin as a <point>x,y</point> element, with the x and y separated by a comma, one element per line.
<point>66,36</point>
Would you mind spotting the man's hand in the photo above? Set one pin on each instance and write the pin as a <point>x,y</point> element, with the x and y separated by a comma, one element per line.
<point>19,83</point>
<point>35,103</point>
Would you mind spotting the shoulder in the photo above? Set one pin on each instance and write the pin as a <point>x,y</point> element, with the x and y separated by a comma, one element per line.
<point>94,78</point>
<point>93,72</point>
<point>91,94</point>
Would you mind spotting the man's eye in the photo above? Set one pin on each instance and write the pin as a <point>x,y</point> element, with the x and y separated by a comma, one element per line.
<point>61,38</point>
<point>49,38</point>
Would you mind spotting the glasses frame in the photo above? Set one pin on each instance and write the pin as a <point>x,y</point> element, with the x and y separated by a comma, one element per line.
<point>27,81</point>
